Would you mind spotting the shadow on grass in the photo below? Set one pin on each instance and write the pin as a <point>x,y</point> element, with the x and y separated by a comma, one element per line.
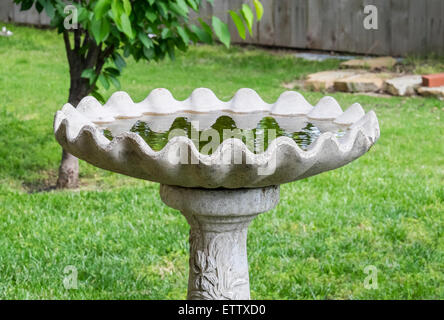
<point>45,184</point>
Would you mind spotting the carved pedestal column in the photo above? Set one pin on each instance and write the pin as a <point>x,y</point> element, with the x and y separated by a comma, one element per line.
<point>219,219</point>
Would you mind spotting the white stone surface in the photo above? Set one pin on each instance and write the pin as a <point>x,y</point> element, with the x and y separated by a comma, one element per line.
<point>325,80</point>
<point>351,115</point>
<point>326,109</point>
<point>403,86</point>
<point>5,32</point>
<point>129,154</point>
<point>365,82</point>
<point>218,236</point>
<point>291,103</point>
<point>437,92</point>
<point>202,100</point>
<point>218,199</point>
<point>372,63</point>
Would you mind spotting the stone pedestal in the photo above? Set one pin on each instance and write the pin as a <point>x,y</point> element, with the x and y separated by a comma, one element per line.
<point>219,220</point>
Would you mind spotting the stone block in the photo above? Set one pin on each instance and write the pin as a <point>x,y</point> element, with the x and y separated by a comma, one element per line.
<point>403,86</point>
<point>437,92</point>
<point>372,64</point>
<point>325,80</point>
<point>366,82</point>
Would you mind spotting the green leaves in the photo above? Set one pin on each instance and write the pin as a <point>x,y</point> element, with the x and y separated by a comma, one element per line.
<point>109,76</point>
<point>101,8</point>
<point>127,7</point>
<point>183,35</point>
<point>100,29</point>
<point>221,31</point>
<point>239,24</point>
<point>201,34</point>
<point>104,81</point>
<point>89,74</point>
<point>117,10</point>
<point>115,82</point>
<point>126,26</point>
<point>259,9</point>
<point>119,61</point>
<point>146,41</point>
<point>25,4</point>
<point>205,26</point>
<point>98,96</point>
<point>149,53</point>
<point>248,16</point>
<point>151,16</point>
<point>183,5</point>
<point>193,4</point>
<point>105,78</point>
<point>121,12</point>
<point>47,5</point>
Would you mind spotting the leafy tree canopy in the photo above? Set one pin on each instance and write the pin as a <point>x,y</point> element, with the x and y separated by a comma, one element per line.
<point>100,34</point>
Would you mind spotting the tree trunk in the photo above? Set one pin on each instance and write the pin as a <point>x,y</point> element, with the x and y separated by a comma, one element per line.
<point>68,171</point>
<point>79,88</point>
<point>69,166</point>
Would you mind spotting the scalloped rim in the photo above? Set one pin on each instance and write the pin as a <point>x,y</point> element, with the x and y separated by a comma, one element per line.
<point>73,127</point>
<point>202,100</point>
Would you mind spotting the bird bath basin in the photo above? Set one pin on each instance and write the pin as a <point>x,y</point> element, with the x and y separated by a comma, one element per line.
<point>219,163</point>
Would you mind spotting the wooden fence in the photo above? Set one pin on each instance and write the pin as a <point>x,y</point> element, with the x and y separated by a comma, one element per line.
<point>10,12</point>
<point>405,26</point>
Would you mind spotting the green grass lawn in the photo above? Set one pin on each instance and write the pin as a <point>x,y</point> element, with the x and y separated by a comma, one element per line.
<point>384,210</point>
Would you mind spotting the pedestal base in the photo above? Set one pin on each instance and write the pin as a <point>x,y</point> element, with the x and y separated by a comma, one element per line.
<point>219,220</point>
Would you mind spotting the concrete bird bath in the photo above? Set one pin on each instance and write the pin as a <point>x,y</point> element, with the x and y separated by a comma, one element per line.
<point>219,190</point>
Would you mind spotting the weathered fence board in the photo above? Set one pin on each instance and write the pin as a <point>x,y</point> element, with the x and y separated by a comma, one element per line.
<point>417,24</point>
<point>11,12</point>
<point>405,26</point>
<point>6,8</point>
<point>434,25</point>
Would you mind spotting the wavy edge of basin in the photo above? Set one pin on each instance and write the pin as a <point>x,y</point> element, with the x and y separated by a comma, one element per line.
<point>202,100</point>
<point>81,137</point>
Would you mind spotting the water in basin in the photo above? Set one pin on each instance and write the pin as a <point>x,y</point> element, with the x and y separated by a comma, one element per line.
<point>207,131</point>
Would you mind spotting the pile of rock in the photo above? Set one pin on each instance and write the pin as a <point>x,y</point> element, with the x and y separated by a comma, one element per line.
<point>433,85</point>
<point>371,75</point>
<point>5,32</point>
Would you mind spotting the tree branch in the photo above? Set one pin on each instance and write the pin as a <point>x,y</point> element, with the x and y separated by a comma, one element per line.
<point>77,33</point>
<point>102,59</point>
<point>85,41</point>
<point>67,46</point>
<point>107,52</point>
<point>92,55</point>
